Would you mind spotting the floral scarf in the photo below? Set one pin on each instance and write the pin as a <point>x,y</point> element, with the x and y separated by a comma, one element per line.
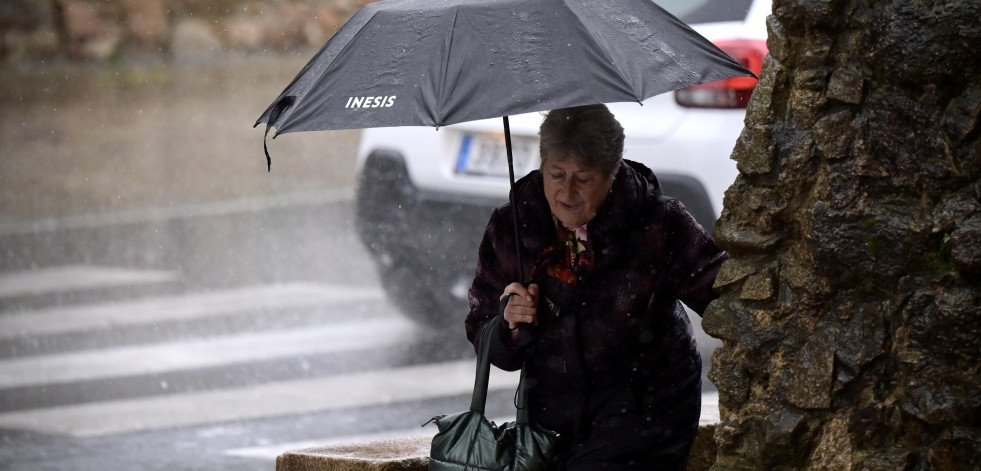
<point>566,260</point>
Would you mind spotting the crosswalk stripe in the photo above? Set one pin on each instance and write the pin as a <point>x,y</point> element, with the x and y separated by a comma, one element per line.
<point>179,307</point>
<point>77,277</point>
<point>203,353</point>
<point>374,388</point>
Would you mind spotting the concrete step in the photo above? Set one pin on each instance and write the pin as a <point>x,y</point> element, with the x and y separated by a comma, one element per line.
<point>412,454</point>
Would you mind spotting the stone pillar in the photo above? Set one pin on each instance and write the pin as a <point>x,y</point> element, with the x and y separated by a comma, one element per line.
<point>851,305</point>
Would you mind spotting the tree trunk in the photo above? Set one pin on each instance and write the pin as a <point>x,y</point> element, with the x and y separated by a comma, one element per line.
<point>851,305</point>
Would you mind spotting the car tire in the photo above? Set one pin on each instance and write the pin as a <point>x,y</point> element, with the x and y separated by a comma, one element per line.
<point>692,194</point>
<point>409,286</point>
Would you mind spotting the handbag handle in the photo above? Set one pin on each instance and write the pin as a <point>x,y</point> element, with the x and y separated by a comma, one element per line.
<point>479,399</point>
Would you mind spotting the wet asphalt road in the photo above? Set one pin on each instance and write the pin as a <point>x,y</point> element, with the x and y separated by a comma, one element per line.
<point>239,331</point>
<point>230,254</point>
<point>166,303</point>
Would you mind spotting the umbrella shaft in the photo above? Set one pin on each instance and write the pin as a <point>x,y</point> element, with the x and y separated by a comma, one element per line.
<point>514,202</point>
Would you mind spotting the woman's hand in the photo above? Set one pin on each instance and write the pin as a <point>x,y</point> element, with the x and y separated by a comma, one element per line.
<point>522,307</point>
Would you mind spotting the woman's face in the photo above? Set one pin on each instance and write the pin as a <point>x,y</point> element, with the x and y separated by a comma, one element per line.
<point>574,193</point>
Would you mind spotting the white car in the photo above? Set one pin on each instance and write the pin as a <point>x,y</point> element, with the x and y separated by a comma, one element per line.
<point>424,196</point>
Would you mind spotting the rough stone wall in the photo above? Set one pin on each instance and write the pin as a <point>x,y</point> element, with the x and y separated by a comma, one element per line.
<point>101,30</point>
<point>851,306</point>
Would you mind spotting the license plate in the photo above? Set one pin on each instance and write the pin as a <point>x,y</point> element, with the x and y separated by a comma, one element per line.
<point>486,154</point>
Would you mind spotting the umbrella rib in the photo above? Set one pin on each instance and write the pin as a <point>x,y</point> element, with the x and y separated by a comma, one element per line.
<point>446,70</point>
<point>310,85</point>
<point>606,52</point>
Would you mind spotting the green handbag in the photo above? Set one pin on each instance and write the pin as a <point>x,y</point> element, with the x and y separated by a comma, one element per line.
<point>468,441</point>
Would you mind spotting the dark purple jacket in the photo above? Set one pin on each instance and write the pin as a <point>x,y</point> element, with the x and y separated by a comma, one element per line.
<point>622,324</point>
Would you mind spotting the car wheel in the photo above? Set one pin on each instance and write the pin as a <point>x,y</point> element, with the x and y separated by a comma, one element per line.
<point>692,194</point>
<point>423,294</point>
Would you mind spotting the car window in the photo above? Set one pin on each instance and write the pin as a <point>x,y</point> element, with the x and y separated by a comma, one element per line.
<point>707,11</point>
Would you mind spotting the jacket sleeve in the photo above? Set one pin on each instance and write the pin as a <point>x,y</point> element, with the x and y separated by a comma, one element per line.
<point>495,270</point>
<point>696,259</point>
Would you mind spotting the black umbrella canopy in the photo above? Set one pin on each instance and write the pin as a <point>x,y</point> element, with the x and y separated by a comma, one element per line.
<point>440,62</point>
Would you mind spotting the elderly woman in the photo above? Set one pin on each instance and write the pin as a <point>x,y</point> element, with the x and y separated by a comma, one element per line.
<point>607,347</point>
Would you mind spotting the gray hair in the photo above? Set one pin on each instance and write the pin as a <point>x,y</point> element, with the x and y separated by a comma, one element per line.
<point>589,135</point>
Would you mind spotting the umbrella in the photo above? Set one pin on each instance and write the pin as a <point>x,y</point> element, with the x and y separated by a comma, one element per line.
<point>441,62</point>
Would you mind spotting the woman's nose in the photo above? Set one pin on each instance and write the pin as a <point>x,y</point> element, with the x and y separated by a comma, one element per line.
<point>565,186</point>
<point>569,184</point>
